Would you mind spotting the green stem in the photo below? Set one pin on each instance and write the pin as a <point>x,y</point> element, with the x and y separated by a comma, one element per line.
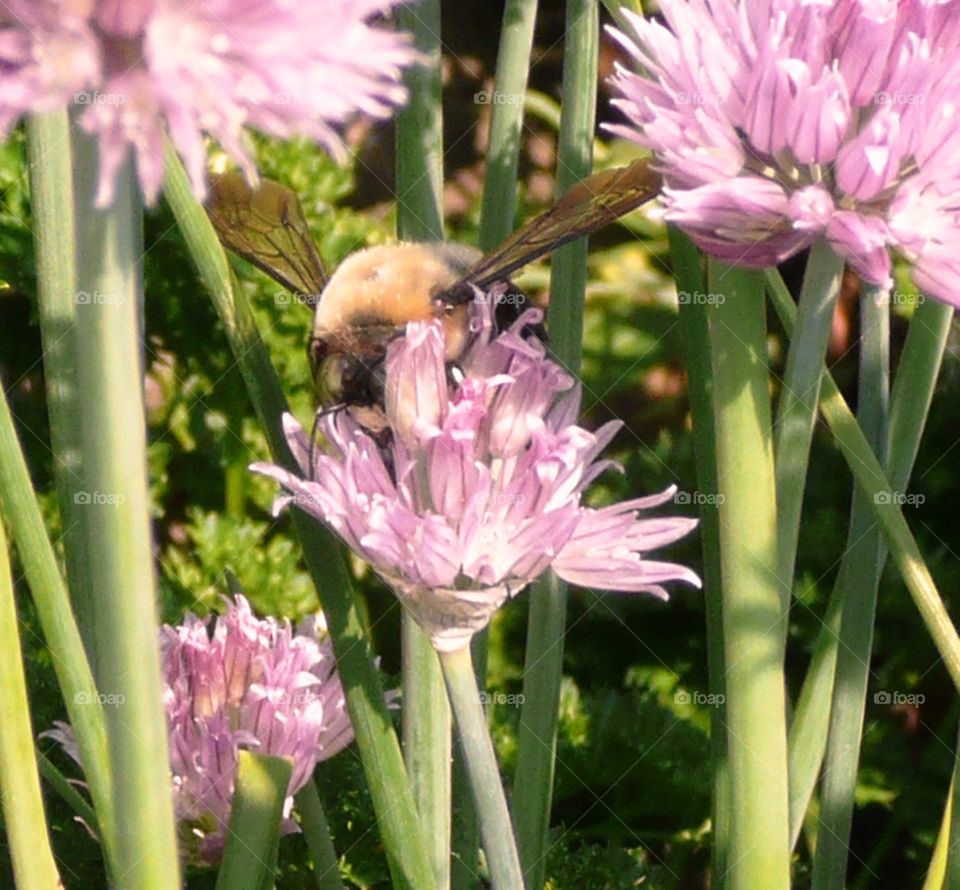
<point>23,814</point>
<point>68,792</point>
<point>873,482</point>
<point>253,837</point>
<point>861,580</point>
<point>316,831</point>
<point>52,601</point>
<point>913,388</point>
<point>506,122</point>
<point>117,522</point>
<point>688,271</point>
<point>488,796</point>
<point>752,605</point>
<point>51,195</point>
<point>496,223</point>
<point>798,399</point>
<point>427,739</point>
<point>953,807</point>
<point>546,626</point>
<point>372,725</point>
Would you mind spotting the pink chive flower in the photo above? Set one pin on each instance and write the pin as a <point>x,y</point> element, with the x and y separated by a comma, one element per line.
<point>480,489</point>
<point>775,122</point>
<point>245,683</point>
<point>143,69</point>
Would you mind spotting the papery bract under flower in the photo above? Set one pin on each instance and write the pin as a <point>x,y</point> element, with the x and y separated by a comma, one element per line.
<point>775,122</point>
<point>242,683</point>
<point>144,69</point>
<point>481,487</point>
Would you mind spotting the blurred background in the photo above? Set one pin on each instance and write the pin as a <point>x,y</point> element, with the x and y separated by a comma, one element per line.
<point>632,791</point>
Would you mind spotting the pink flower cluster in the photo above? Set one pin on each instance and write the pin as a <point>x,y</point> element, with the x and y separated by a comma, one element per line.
<point>480,489</point>
<point>777,121</point>
<point>140,70</point>
<point>245,683</point>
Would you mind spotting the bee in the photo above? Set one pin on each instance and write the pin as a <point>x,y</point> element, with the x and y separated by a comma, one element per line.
<point>374,292</point>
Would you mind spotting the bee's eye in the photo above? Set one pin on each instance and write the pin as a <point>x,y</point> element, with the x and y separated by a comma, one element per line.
<point>329,379</point>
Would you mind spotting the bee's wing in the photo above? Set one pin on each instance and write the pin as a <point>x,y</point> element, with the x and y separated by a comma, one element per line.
<point>588,206</point>
<point>265,225</point>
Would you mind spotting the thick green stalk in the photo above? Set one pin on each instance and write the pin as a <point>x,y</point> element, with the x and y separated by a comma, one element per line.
<point>316,832</point>
<point>861,582</point>
<point>84,705</point>
<point>546,626</point>
<point>117,522</point>
<point>873,482</point>
<point>506,122</point>
<point>688,271</point>
<point>946,840</point>
<point>379,750</point>
<point>799,395</point>
<point>481,762</point>
<point>51,195</point>
<point>953,807</point>
<point>496,223</point>
<point>427,739</point>
<point>913,388</point>
<point>253,837</point>
<point>753,612</point>
<point>23,815</point>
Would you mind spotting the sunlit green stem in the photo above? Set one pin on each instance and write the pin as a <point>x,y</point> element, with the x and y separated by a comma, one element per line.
<point>117,521</point>
<point>380,752</point>
<point>506,122</point>
<point>799,395</point>
<point>481,763</point>
<point>23,815</point>
<point>426,715</point>
<point>873,482</point>
<point>913,388</point>
<point>752,606</point>
<point>253,838</point>
<point>316,831</point>
<point>537,736</point>
<point>861,580</point>
<point>689,273</point>
<point>51,193</point>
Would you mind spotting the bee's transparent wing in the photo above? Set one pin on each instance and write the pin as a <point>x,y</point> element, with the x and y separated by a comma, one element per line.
<point>586,207</point>
<point>266,226</point>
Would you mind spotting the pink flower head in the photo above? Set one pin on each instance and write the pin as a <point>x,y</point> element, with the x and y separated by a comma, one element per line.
<point>144,69</point>
<point>480,489</point>
<point>775,122</point>
<point>241,683</point>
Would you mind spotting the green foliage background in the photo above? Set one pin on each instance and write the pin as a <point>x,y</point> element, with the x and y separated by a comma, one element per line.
<point>632,795</point>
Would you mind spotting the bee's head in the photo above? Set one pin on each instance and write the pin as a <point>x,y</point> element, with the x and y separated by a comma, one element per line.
<point>345,378</point>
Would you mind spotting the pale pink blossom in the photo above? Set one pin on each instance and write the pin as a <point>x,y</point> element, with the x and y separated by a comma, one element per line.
<point>481,488</point>
<point>139,70</point>
<point>776,122</point>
